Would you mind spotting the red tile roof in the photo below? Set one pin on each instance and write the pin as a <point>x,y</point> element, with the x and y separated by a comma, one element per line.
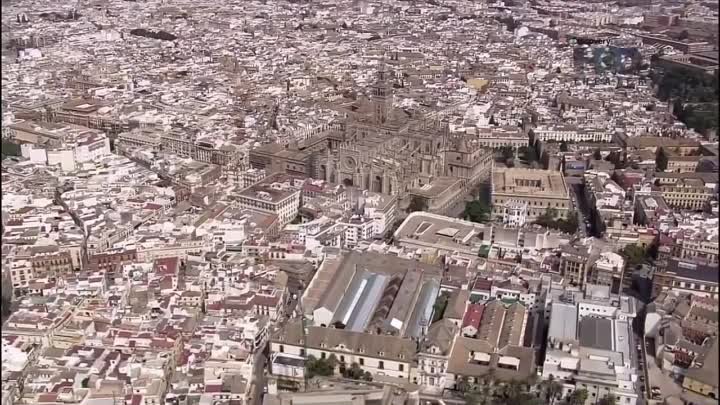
<point>473,315</point>
<point>482,285</point>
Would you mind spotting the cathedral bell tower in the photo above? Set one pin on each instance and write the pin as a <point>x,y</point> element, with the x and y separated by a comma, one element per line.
<point>381,96</point>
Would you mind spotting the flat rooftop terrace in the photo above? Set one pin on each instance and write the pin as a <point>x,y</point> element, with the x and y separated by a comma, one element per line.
<point>529,183</point>
<point>442,232</point>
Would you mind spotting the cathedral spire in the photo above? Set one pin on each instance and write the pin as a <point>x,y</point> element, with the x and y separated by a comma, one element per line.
<point>381,94</point>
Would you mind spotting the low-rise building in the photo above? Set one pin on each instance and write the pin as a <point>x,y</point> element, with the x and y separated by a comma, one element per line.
<point>277,194</point>
<point>541,190</point>
<point>442,235</point>
<point>686,276</point>
<point>590,347</point>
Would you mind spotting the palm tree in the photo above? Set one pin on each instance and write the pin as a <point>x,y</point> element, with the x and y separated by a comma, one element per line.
<point>486,394</point>
<point>511,390</point>
<point>490,375</point>
<point>462,385</point>
<point>577,397</point>
<point>514,393</point>
<point>488,379</point>
<point>552,390</point>
<point>531,382</point>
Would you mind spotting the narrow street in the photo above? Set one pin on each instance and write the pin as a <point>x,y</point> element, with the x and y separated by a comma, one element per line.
<point>258,382</point>
<point>577,195</point>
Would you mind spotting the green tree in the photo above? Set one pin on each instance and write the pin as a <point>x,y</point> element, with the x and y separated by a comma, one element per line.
<point>489,377</point>
<point>577,397</point>
<point>440,306</point>
<point>551,389</point>
<point>633,255</point>
<point>682,86</point>
<point>462,384</point>
<point>549,220</point>
<point>354,372</point>
<point>515,393</point>
<point>6,308</point>
<point>322,367</point>
<point>563,146</point>
<point>474,398</point>
<point>528,154</point>
<point>507,152</point>
<point>417,203</point>
<point>569,224</point>
<point>476,211</point>
<point>608,400</point>
<point>10,148</point>
<point>485,395</point>
<point>367,376</point>
<point>547,217</point>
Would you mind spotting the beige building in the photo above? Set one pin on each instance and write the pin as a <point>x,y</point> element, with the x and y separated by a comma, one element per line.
<point>277,194</point>
<point>540,189</point>
<point>386,355</point>
<point>45,262</point>
<point>440,194</point>
<point>498,346</point>
<point>673,161</point>
<point>687,193</point>
<point>700,249</point>
<point>503,137</point>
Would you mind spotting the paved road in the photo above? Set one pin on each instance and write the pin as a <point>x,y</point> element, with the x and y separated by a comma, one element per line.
<point>258,382</point>
<point>583,210</point>
<point>577,198</point>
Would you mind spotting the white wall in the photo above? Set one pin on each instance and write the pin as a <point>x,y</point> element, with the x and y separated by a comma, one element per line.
<point>36,155</point>
<point>63,157</point>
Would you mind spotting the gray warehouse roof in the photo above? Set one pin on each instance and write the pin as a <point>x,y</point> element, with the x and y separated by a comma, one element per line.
<point>563,322</point>
<point>596,333</point>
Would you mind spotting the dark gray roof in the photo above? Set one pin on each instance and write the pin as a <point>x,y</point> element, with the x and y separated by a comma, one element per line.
<point>441,334</point>
<point>423,310</point>
<point>694,271</point>
<point>404,302</point>
<point>596,333</point>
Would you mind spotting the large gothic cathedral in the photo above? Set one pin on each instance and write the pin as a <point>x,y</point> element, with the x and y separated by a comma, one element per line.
<point>386,150</point>
<point>383,149</point>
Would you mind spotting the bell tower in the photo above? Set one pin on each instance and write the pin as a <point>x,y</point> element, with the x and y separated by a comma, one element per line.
<point>381,95</point>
